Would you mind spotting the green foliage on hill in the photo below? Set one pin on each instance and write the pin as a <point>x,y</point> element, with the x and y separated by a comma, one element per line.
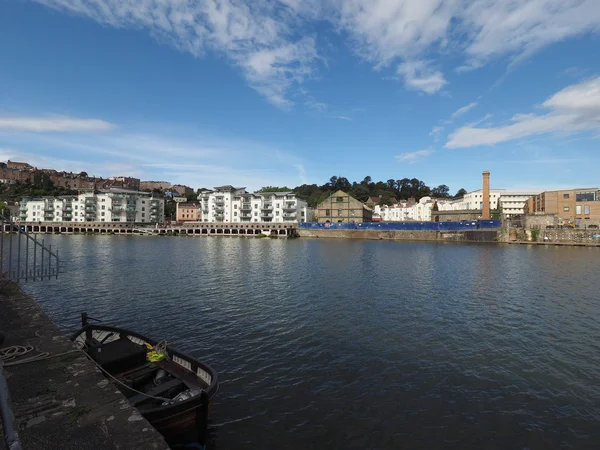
<point>273,189</point>
<point>41,186</point>
<point>402,189</point>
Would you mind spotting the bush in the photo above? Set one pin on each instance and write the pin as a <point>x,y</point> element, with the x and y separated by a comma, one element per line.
<point>535,234</point>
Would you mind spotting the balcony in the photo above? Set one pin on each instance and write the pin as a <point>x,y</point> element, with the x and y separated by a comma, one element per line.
<point>290,207</point>
<point>23,208</point>
<point>49,208</point>
<point>245,216</point>
<point>68,208</point>
<point>219,202</point>
<point>246,207</point>
<point>266,216</point>
<point>90,200</point>
<point>267,207</point>
<point>289,216</point>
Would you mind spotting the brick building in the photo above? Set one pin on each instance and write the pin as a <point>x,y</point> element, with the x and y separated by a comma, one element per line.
<point>342,207</point>
<point>571,205</point>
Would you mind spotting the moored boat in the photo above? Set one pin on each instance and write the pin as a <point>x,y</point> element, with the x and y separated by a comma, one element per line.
<point>172,390</point>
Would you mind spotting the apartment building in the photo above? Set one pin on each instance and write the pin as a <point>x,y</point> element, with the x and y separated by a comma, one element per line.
<point>512,203</point>
<point>234,205</point>
<point>111,205</point>
<point>568,205</point>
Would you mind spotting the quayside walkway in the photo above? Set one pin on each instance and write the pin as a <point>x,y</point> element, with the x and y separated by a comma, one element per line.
<point>60,399</point>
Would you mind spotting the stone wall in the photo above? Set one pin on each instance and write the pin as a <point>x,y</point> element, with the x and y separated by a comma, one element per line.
<point>568,236</point>
<point>462,236</point>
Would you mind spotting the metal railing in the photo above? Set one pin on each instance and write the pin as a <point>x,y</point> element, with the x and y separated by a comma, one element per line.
<point>23,257</point>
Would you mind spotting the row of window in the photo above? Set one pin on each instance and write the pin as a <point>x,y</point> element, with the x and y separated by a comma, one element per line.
<point>578,209</point>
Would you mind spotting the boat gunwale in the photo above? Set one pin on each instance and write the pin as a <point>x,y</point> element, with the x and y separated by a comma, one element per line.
<point>211,390</point>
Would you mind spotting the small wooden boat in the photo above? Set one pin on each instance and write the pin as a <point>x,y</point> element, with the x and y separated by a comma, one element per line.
<point>172,390</point>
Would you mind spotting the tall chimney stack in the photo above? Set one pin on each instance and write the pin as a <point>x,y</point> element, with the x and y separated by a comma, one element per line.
<point>485,208</point>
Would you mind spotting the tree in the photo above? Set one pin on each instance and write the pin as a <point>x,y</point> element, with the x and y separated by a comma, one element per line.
<point>83,174</point>
<point>442,191</point>
<point>274,189</point>
<point>460,193</point>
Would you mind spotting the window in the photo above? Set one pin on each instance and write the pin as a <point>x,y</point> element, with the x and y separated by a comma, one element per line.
<point>143,214</point>
<point>586,210</point>
<point>339,212</point>
<point>566,195</point>
<point>234,206</point>
<point>276,205</point>
<point>585,197</point>
<point>566,208</point>
<point>143,208</point>
<point>255,213</point>
<point>103,207</point>
<point>276,213</point>
<point>103,201</point>
<point>235,214</point>
<point>143,202</point>
<point>102,214</point>
<point>339,199</point>
<point>578,209</point>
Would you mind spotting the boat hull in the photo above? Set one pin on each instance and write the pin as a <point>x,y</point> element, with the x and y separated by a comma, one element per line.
<point>181,422</point>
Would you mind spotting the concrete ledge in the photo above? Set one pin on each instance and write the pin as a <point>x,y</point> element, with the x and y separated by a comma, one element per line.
<point>64,402</point>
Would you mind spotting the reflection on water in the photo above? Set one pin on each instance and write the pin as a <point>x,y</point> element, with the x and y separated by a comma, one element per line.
<point>361,344</point>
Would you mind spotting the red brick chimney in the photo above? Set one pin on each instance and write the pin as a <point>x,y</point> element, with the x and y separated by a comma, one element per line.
<point>485,208</point>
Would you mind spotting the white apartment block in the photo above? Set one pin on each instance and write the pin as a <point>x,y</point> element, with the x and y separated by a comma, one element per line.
<point>234,205</point>
<point>403,211</point>
<point>111,205</point>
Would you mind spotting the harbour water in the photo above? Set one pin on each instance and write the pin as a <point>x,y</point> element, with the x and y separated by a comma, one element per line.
<point>325,344</point>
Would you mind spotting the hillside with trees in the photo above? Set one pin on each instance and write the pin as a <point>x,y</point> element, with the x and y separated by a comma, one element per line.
<point>402,189</point>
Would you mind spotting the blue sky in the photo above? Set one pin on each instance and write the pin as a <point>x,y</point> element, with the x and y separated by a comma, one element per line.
<point>285,92</point>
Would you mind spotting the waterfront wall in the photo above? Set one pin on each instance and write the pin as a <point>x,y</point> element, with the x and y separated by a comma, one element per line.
<point>402,235</point>
<point>405,226</point>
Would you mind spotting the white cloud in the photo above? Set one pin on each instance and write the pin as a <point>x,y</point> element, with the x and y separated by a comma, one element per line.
<point>55,123</point>
<point>342,118</point>
<point>418,75</point>
<point>465,109</point>
<point>413,157</point>
<point>384,30</point>
<point>259,36</point>
<point>273,43</point>
<point>573,109</point>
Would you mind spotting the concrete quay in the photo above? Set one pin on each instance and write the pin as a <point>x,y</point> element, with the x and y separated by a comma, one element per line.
<point>189,228</point>
<point>404,235</point>
<point>62,401</point>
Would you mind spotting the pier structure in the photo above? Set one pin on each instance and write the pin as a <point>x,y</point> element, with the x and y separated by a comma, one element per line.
<point>283,229</point>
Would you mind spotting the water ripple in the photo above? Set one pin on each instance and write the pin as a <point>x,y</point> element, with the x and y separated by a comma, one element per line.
<point>352,344</point>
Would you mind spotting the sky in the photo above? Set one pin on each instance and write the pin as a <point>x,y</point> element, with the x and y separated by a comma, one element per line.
<point>285,92</point>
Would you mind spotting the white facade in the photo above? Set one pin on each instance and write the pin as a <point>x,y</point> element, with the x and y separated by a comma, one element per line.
<point>512,202</point>
<point>234,205</point>
<point>113,205</point>
<point>403,211</point>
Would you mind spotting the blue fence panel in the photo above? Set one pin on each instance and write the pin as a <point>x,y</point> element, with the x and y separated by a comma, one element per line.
<point>405,226</point>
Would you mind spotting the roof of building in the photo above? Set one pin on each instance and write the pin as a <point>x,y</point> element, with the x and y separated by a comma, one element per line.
<point>228,187</point>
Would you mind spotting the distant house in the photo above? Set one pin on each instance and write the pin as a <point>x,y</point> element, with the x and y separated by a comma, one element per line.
<point>188,212</point>
<point>342,207</point>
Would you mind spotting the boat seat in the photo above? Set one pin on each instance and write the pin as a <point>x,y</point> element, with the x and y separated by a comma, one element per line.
<point>118,356</point>
<point>158,391</point>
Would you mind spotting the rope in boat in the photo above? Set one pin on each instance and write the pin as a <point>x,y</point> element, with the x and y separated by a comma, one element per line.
<point>163,399</point>
<point>8,354</point>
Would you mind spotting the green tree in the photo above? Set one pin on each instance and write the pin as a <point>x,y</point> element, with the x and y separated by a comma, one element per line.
<point>460,193</point>
<point>441,191</point>
<point>274,189</point>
